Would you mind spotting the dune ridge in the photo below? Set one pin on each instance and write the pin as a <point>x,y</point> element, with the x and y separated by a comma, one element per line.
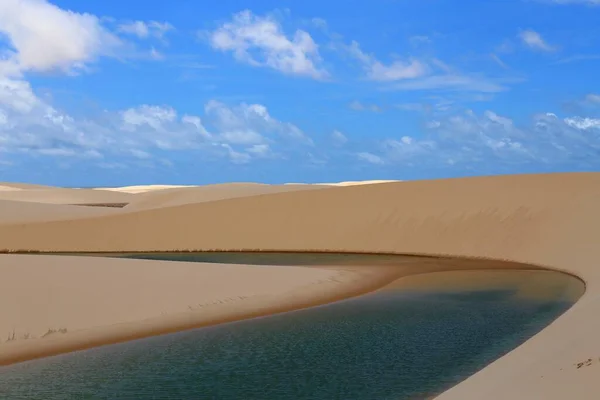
<point>547,220</point>
<point>169,197</point>
<point>65,196</point>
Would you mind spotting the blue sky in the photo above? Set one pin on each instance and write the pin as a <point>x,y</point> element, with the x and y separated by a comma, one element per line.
<point>139,92</point>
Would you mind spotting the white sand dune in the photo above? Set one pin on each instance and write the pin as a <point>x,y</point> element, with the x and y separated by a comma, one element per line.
<point>355,183</point>
<point>547,220</point>
<point>200,194</point>
<point>66,196</point>
<point>347,183</point>
<point>142,188</point>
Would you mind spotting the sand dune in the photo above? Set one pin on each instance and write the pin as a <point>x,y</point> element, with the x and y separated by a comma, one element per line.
<point>16,212</point>
<point>550,220</point>
<point>66,196</point>
<point>355,183</point>
<point>28,186</point>
<point>200,194</point>
<point>142,188</point>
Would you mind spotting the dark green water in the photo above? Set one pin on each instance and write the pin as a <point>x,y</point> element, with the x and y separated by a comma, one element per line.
<point>390,344</point>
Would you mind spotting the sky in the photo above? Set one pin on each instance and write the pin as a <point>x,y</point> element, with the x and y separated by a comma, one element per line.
<point>193,92</point>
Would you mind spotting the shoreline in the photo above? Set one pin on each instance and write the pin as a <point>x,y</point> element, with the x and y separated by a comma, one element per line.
<point>343,283</point>
<point>348,282</point>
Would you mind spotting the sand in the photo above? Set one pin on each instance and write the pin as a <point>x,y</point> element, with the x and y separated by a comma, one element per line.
<point>19,186</point>
<point>549,220</point>
<point>54,304</point>
<point>142,188</point>
<point>12,212</point>
<point>169,197</point>
<point>66,196</point>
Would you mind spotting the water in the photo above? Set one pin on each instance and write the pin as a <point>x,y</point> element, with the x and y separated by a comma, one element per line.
<point>276,258</point>
<point>396,343</point>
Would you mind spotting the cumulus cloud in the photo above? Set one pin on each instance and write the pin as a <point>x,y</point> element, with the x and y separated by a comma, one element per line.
<point>534,40</point>
<point>583,123</point>
<point>250,124</point>
<point>44,37</point>
<point>471,139</point>
<point>242,133</point>
<point>260,41</point>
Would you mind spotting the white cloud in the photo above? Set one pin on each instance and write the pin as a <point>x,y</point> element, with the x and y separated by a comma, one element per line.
<point>339,138</point>
<point>583,123</point>
<point>417,40</point>
<point>44,37</point>
<point>30,125</point>
<point>414,74</point>
<point>144,30</point>
<point>153,116</point>
<point>534,40</point>
<point>250,124</point>
<point>370,158</point>
<point>498,61</point>
<point>451,82</point>
<point>197,122</point>
<point>235,156</point>
<point>156,55</point>
<point>397,70</point>
<point>578,58</point>
<point>143,155</point>
<point>319,23</point>
<point>17,95</point>
<point>593,98</point>
<point>358,106</point>
<point>470,139</point>
<point>407,148</point>
<point>378,71</point>
<point>261,150</point>
<point>260,41</point>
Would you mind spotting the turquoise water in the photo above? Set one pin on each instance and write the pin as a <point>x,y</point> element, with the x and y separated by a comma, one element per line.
<point>391,344</point>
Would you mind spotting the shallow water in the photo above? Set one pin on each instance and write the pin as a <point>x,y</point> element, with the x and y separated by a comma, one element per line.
<point>391,344</point>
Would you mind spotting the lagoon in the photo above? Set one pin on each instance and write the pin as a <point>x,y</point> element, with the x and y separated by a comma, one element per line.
<point>410,340</point>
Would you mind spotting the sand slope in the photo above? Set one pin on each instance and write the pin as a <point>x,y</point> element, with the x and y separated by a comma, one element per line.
<point>19,186</point>
<point>178,196</point>
<point>13,212</point>
<point>141,188</point>
<point>549,220</point>
<point>66,196</point>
